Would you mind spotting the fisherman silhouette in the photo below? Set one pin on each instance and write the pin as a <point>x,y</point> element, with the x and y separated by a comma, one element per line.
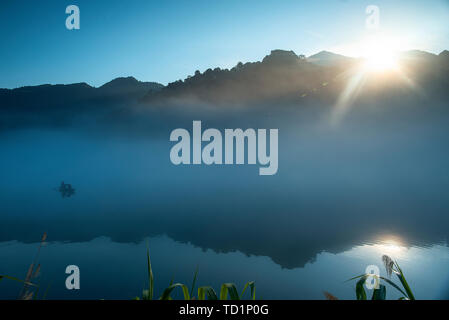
<point>66,190</point>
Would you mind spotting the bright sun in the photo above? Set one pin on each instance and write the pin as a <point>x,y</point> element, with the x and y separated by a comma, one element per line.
<point>380,61</point>
<point>379,55</point>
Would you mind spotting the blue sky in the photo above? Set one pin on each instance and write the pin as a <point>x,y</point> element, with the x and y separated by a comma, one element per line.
<point>167,40</point>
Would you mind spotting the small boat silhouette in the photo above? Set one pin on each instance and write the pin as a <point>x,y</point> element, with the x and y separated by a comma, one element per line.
<point>66,190</point>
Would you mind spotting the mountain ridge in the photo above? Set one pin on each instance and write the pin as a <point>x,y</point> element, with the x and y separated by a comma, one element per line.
<point>285,76</point>
<point>327,58</point>
<point>281,78</point>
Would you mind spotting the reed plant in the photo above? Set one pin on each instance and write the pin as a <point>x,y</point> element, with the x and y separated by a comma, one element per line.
<point>227,290</point>
<point>380,293</point>
<point>30,289</point>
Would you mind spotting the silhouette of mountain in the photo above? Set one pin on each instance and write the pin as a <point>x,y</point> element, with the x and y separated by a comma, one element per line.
<point>59,104</point>
<point>281,78</point>
<point>326,58</point>
<point>129,86</point>
<point>444,59</point>
<point>444,55</point>
<point>62,95</point>
<point>281,75</point>
<point>417,54</point>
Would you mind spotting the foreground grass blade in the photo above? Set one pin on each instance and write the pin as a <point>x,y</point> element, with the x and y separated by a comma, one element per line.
<point>150,277</point>
<point>207,291</point>
<point>167,292</point>
<point>357,277</point>
<point>251,284</point>
<point>18,280</point>
<point>360,290</point>
<point>404,283</point>
<point>46,292</point>
<point>194,282</point>
<point>380,294</point>
<point>391,283</point>
<point>231,289</point>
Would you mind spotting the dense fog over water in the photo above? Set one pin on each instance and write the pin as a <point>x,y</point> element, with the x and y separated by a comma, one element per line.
<point>337,186</point>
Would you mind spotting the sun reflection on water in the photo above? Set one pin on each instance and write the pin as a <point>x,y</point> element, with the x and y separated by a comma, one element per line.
<point>390,245</point>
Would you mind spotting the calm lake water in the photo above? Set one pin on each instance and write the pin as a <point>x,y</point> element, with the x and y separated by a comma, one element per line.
<point>339,201</point>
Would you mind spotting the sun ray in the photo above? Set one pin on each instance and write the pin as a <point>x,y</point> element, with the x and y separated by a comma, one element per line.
<point>346,98</point>
<point>379,58</point>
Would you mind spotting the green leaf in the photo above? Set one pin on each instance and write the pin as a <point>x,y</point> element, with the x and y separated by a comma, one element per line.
<point>404,283</point>
<point>194,281</point>
<point>35,294</point>
<point>394,285</point>
<point>360,290</point>
<point>231,289</point>
<point>167,292</point>
<point>207,291</point>
<point>145,295</point>
<point>357,277</point>
<point>251,284</point>
<point>380,294</point>
<point>46,292</point>
<point>150,277</point>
